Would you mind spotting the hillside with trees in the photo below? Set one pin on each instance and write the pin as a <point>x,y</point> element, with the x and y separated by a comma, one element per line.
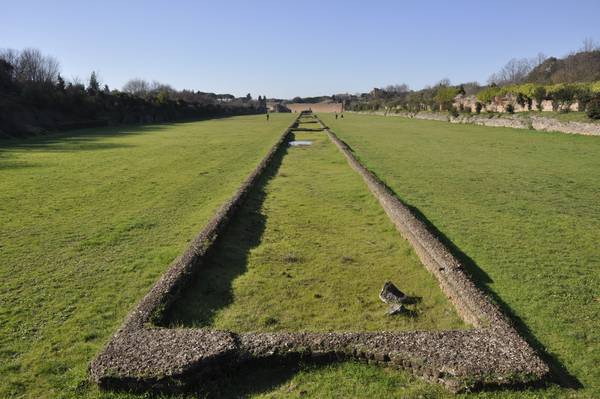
<point>35,98</point>
<point>575,68</point>
<point>539,83</point>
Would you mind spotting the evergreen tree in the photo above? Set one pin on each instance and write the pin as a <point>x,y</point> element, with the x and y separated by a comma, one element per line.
<point>94,84</point>
<point>60,83</point>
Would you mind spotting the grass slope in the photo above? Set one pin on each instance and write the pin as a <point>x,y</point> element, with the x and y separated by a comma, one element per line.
<point>89,220</point>
<point>525,209</point>
<point>310,251</point>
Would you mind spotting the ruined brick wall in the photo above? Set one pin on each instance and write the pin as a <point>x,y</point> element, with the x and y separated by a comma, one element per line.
<point>513,121</point>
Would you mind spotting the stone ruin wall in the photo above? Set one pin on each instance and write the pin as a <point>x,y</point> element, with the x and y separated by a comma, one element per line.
<point>539,123</point>
<point>501,102</point>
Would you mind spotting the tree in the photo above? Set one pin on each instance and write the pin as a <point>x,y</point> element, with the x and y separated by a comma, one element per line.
<point>515,71</point>
<point>593,108</point>
<point>397,88</point>
<point>539,94</point>
<point>248,97</point>
<point>60,83</point>
<point>163,97</point>
<point>31,66</point>
<point>157,87</point>
<point>588,44</point>
<point>564,96</point>
<point>538,60</point>
<point>5,74</point>
<point>137,87</point>
<point>93,83</point>
<point>444,97</point>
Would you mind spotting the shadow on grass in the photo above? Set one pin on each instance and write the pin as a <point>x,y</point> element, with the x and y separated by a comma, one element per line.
<point>88,139</point>
<point>560,374</point>
<point>85,139</point>
<point>250,378</point>
<point>482,280</point>
<point>254,378</point>
<point>211,288</point>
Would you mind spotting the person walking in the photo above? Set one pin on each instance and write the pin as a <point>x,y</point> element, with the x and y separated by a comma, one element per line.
<point>267,116</point>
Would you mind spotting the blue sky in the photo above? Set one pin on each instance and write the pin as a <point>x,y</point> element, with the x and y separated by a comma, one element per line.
<point>288,48</point>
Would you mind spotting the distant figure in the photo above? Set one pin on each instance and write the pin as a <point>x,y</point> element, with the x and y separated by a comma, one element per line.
<point>336,115</point>
<point>342,116</point>
<point>267,116</point>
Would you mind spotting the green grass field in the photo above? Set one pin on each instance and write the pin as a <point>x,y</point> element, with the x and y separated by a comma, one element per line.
<point>89,220</point>
<point>523,207</point>
<point>310,251</point>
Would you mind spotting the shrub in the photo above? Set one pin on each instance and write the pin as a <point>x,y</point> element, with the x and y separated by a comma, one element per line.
<point>445,96</point>
<point>583,95</point>
<point>593,108</point>
<point>563,95</point>
<point>453,112</point>
<point>487,95</point>
<point>510,109</point>
<point>539,94</point>
<point>521,99</point>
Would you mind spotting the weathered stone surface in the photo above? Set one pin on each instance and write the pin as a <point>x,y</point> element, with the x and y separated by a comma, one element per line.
<point>396,309</point>
<point>390,294</point>
<point>513,121</point>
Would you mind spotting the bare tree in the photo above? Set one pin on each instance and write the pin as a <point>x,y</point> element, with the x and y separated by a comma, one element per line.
<point>515,71</point>
<point>30,65</point>
<point>588,44</point>
<point>76,81</point>
<point>137,87</point>
<point>158,87</point>
<point>471,88</point>
<point>539,59</point>
<point>10,55</point>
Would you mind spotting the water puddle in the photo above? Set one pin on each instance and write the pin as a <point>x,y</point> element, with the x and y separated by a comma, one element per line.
<point>297,143</point>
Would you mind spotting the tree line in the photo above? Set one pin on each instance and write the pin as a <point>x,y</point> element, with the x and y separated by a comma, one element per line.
<point>562,81</point>
<point>34,98</point>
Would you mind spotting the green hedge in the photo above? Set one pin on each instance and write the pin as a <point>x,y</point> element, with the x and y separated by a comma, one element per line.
<point>569,91</point>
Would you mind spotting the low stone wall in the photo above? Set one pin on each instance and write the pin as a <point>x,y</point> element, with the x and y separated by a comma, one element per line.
<point>471,303</point>
<point>142,355</point>
<point>540,123</point>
